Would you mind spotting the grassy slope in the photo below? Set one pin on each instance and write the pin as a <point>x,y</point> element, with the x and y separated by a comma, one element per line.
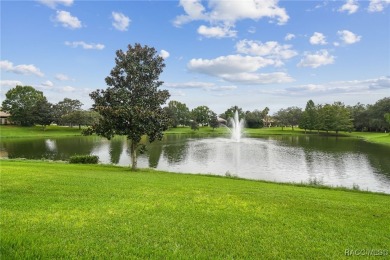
<point>57,131</point>
<point>10,131</point>
<point>52,210</point>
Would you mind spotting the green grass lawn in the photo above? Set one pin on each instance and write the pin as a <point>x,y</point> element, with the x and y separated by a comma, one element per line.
<point>57,210</point>
<point>58,131</point>
<point>383,138</point>
<point>11,131</point>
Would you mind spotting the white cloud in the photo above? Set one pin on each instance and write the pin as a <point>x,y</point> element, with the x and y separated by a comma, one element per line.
<point>62,77</point>
<point>349,37</point>
<point>222,14</point>
<point>53,3</point>
<point>67,20</point>
<point>20,69</point>
<point>194,11</point>
<point>258,78</point>
<point>177,93</point>
<point>271,49</point>
<point>240,69</point>
<point>350,6</point>
<point>164,54</point>
<point>207,86</point>
<point>86,46</point>
<point>336,87</point>
<point>378,5</point>
<point>289,37</point>
<point>317,59</point>
<point>121,22</point>
<point>216,32</point>
<point>10,83</point>
<point>47,84</point>
<point>67,89</point>
<point>229,64</point>
<point>318,39</point>
<point>251,29</point>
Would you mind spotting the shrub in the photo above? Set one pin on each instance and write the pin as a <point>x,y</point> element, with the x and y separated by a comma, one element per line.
<point>84,159</point>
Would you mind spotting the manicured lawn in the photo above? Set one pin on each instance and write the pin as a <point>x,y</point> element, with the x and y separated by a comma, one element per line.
<point>10,131</point>
<point>56,210</point>
<point>383,138</point>
<point>58,131</point>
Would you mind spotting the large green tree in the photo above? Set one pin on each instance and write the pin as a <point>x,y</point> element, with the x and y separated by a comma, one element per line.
<point>254,119</point>
<point>309,116</point>
<point>178,113</point>
<point>43,113</point>
<point>229,113</point>
<point>342,120</point>
<point>21,102</point>
<point>132,104</point>
<point>81,117</point>
<point>294,115</point>
<point>201,115</point>
<point>65,107</point>
<point>281,117</point>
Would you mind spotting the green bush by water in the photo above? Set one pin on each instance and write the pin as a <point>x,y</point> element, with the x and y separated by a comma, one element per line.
<point>84,159</point>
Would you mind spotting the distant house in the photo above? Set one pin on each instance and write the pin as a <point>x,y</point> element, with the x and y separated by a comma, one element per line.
<point>221,120</point>
<point>4,118</point>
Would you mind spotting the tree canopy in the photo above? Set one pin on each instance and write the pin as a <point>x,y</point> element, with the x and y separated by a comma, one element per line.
<point>22,103</point>
<point>131,105</point>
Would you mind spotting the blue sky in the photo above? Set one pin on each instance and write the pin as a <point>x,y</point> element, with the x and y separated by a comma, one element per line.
<point>218,53</point>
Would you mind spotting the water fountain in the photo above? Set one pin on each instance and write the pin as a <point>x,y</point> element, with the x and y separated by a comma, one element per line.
<point>237,127</point>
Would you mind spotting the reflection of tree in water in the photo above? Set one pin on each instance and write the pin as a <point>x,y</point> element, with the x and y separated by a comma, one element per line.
<point>116,147</point>
<point>37,148</point>
<point>378,155</point>
<point>154,151</point>
<point>176,148</point>
<point>336,147</point>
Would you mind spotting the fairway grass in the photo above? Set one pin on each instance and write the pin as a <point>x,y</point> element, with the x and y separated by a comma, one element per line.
<point>10,131</point>
<point>57,210</point>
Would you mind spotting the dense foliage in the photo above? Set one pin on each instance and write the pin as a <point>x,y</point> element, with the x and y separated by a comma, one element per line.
<point>132,104</point>
<point>23,103</point>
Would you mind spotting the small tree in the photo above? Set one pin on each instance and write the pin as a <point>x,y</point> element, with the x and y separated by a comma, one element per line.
<point>213,120</point>
<point>43,113</point>
<point>131,105</point>
<point>194,125</point>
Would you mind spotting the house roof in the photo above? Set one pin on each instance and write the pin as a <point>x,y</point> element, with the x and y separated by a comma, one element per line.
<point>4,114</point>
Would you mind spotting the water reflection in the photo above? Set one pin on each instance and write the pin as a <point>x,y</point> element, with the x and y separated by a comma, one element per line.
<point>333,161</point>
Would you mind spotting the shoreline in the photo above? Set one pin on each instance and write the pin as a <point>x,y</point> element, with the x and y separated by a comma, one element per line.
<point>13,132</point>
<point>314,184</point>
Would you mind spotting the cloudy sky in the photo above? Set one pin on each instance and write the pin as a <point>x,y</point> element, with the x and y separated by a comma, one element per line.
<point>218,53</point>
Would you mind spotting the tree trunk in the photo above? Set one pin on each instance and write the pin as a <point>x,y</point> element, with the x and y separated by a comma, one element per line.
<point>133,156</point>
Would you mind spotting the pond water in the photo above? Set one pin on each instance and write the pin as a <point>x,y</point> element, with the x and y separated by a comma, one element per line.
<point>347,162</point>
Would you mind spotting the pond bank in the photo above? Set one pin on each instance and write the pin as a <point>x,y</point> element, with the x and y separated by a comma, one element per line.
<point>59,131</point>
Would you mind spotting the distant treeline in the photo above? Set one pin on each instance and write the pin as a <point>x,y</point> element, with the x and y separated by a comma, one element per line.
<point>29,106</point>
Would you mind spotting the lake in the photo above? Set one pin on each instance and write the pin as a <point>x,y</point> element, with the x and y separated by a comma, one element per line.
<point>347,162</point>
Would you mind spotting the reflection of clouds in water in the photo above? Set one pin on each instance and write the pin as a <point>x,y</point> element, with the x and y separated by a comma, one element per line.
<point>335,162</point>
<point>268,159</point>
<point>51,145</point>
